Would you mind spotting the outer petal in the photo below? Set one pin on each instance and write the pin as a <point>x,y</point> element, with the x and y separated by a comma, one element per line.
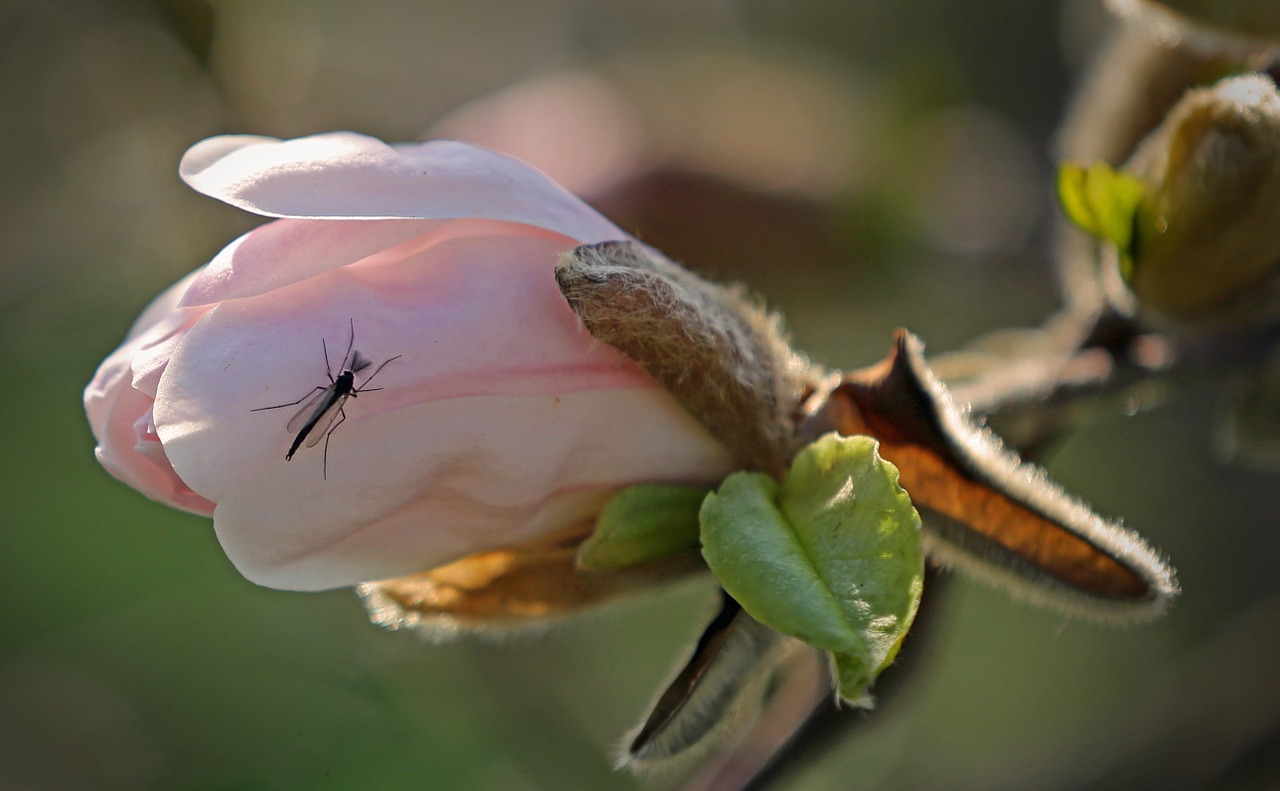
<point>286,251</point>
<point>486,432</point>
<point>421,486</point>
<point>132,453</point>
<point>120,413</point>
<point>476,316</point>
<point>344,175</point>
<point>279,253</point>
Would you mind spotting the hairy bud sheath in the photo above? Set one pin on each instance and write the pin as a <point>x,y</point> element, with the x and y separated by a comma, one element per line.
<point>722,356</point>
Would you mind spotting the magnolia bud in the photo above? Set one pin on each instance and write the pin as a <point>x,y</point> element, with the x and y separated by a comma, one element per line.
<point>1206,241</point>
<point>1208,21</point>
<point>496,424</point>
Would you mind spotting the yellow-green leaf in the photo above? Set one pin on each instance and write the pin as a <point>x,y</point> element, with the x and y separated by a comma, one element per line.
<point>1102,202</point>
<point>643,523</point>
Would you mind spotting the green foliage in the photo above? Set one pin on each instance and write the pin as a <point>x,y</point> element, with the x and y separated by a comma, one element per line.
<point>1102,202</point>
<point>643,523</point>
<point>831,556</point>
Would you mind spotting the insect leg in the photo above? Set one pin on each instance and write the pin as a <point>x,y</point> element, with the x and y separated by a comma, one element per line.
<point>291,403</point>
<point>342,415</point>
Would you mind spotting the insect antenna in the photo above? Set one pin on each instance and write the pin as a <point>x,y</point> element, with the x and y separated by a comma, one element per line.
<point>328,369</point>
<point>350,344</point>
<point>377,371</point>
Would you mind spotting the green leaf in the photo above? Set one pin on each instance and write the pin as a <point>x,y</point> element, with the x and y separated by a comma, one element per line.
<point>643,523</point>
<point>1102,202</point>
<point>761,561</point>
<point>831,556</point>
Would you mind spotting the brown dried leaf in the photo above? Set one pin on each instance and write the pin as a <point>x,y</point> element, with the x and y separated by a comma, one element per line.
<point>986,511</point>
<point>510,589</point>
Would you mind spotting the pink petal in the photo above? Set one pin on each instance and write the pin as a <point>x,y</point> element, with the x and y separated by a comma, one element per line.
<point>475,316</point>
<point>102,391</point>
<point>146,469</point>
<point>421,486</point>
<point>343,175</point>
<point>502,417</point>
<point>287,251</point>
<point>156,347</point>
<point>116,408</point>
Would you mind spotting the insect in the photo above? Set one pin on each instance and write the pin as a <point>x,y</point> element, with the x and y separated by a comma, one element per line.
<point>322,413</point>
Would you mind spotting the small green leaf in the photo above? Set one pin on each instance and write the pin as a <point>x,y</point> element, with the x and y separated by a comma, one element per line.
<point>831,556</point>
<point>643,523</point>
<point>761,560</point>
<point>1102,202</point>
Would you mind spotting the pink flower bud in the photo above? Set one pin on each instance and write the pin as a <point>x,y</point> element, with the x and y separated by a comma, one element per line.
<point>502,422</point>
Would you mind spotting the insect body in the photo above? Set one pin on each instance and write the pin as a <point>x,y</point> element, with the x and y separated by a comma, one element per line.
<point>322,413</point>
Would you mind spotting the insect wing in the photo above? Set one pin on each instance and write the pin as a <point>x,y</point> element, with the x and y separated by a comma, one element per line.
<point>312,411</point>
<point>325,420</point>
<point>359,362</point>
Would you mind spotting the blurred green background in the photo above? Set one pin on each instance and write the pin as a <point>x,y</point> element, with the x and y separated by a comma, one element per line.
<point>132,656</point>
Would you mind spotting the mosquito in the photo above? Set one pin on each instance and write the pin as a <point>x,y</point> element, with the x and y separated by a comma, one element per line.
<point>322,413</point>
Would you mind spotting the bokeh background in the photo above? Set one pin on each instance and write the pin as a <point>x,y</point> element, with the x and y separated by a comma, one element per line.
<point>864,165</point>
